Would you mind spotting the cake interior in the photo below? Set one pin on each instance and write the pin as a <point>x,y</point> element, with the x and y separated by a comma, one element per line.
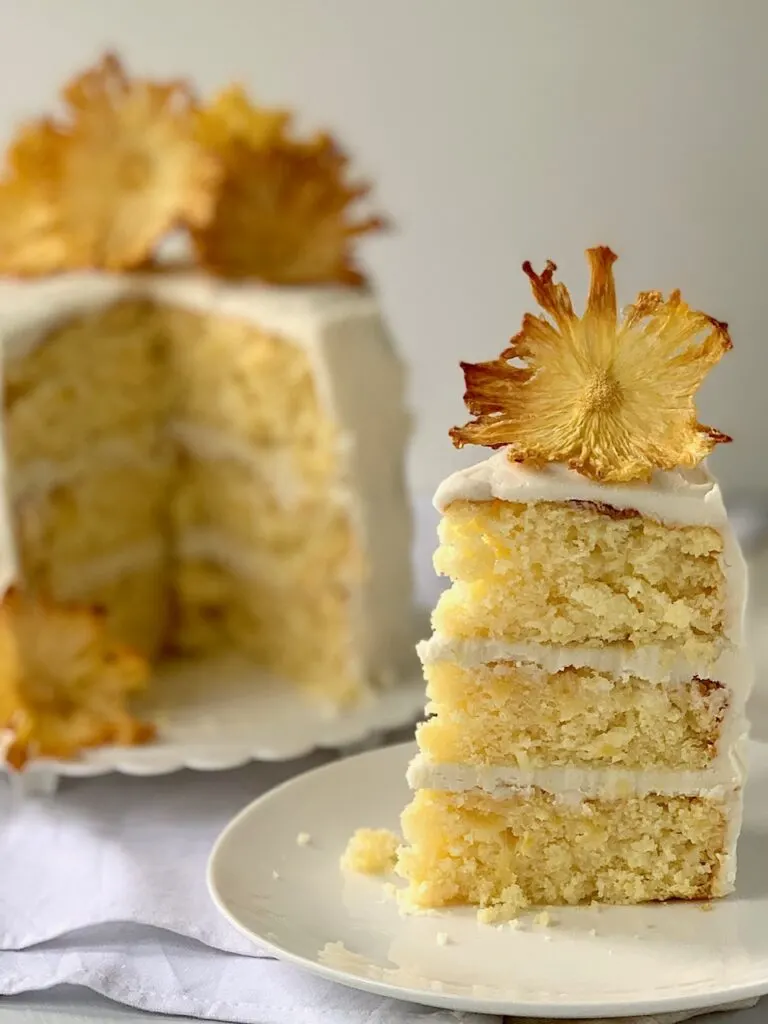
<point>534,848</point>
<point>507,712</point>
<point>580,574</point>
<point>179,470</point>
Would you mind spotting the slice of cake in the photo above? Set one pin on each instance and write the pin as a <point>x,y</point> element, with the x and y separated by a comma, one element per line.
<point>195,448</point>
<point>586,675</point>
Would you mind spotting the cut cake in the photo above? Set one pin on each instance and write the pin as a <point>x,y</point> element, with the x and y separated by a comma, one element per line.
<point>586,676</point>
<point>194,450</point>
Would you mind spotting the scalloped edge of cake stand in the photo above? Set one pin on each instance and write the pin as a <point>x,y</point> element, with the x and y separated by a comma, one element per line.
<point>221,713</point>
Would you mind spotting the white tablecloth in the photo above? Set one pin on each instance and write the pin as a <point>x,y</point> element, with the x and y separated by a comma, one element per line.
<point>104,886</point>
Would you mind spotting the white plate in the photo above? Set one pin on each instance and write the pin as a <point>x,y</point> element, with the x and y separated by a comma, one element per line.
<point>640,959</point>
<point>222,713</point>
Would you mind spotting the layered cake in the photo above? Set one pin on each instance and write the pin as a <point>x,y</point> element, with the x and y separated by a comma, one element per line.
<point>191,455</point>
<point>586,675</point>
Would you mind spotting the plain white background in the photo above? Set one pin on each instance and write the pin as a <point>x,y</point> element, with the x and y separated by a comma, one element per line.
<point>496,130</point>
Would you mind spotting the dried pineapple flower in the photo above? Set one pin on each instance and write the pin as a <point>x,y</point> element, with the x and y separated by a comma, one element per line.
<point>31,241</point>
<point>63,681</point>
<point>613,398</point>
<point>232,118</point>
<point>118,172</point>
<point>284,208</point>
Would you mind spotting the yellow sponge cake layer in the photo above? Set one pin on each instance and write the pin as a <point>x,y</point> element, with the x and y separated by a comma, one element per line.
<point>268,514</point>
<point>537,848</point>
<point>576,573</point>
<point>99,374</point>
<point>229,373</point>
<point>311,641</point>
<point>518,714</point>
<point>90,517</point>
<point>131,591</point>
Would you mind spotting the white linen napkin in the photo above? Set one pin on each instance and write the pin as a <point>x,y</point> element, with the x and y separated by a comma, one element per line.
<point>103,886</point>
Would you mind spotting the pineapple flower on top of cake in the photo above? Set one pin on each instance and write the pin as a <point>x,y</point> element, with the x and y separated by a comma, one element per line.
<point>611,396</point>
<point>63,681</point>
<point>101,186</point>
<point>284,211</point>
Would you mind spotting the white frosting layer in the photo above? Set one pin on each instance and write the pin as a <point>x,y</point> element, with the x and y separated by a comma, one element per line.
<point>36,479</point>
<point>678,497</point>
<point>108,568</point>
<point>733,667</point>
<point>577,783</point>
<point>358,377</point>
<point>675,497</point>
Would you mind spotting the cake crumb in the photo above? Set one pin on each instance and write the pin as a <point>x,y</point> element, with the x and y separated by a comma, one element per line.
<point>505,908</point>
<point>389,891</point>
<point>442,938</point>
<point>303,839</point>
<point>514,923</point>
<point>275,875</point>
<point>371,851</point>
<point>593,932</point>
<point>543,919</point>
<point>547,938</point>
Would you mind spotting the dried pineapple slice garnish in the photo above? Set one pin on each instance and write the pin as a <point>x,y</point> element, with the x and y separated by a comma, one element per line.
<point>611,397</point>
<point>63,681</point>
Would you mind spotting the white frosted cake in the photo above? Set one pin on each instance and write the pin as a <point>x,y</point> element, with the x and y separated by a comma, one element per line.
<point>201,459</point>
<point>586,675</point>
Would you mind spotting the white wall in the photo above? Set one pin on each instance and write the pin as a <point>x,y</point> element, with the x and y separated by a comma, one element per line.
<point>497,130</point>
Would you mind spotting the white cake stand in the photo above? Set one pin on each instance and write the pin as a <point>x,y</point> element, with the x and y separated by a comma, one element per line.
<point>217,714</point>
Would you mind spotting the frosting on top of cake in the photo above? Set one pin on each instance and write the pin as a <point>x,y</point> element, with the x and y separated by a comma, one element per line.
<point>679,496</point>
<point>29,309</point>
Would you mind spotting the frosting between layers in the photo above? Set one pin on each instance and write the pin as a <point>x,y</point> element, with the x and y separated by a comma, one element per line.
<point>110,567</point>
<point>665,664</point>
<point>572,784</point>
<point>36,478</point>
<point>215,546</point>
<point>680,497</point>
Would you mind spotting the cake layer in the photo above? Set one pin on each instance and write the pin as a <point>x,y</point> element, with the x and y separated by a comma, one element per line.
<point>65,395</point>
<point>302,627</point>
<point>254,514</point>
<point>674,498</point>
<point>507,713</point>
<point>535,848</point>
<point>130,588</point>
<point>572,783</point>
<point>580,575</point>
<point>231,375</point>
<point>105,511</point>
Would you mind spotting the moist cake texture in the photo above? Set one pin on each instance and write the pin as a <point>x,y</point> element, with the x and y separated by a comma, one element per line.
<point>560,771</point>
<point>586,674</point>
